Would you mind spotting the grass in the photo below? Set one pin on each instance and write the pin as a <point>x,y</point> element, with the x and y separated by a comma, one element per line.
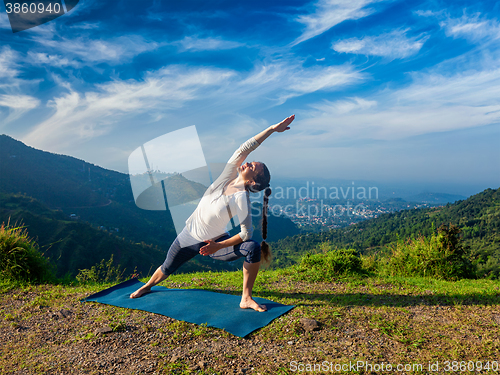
<point>440,256</point>
<point>20,258</point>
<point>375,319</point>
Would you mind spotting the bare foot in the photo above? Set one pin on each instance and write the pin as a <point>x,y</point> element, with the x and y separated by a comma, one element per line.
<point>140,292</point>
<point>249,303</point>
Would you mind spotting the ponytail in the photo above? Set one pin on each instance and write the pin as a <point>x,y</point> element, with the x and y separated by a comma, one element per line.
<point>262,183</point>
<point>266,252</point>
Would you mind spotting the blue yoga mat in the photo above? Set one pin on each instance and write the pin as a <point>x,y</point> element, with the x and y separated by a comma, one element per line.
<point>194,306</point>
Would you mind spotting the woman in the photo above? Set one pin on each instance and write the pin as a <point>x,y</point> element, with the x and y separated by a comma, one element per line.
<point>205,230</point>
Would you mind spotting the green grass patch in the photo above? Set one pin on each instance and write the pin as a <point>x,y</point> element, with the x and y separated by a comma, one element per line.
<point>332,264</point>
<point>20,258</point>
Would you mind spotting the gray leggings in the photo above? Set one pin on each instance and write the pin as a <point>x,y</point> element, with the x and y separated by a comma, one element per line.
<point>178,255</point>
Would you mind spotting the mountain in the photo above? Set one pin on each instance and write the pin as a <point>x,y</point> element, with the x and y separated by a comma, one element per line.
<point>57,180</point>
<point>478,217</point>
<point>436,198</point>
<point>72,245</point>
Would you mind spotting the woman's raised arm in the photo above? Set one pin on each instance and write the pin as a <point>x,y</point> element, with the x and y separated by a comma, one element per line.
<point>280,127</point>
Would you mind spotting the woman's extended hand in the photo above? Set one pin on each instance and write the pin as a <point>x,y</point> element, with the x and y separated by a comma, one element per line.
<point>280,127</point>
<point>283,125</point>
<point>210,248</point>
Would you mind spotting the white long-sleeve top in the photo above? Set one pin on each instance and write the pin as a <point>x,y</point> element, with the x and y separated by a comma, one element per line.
<point>210,219</point>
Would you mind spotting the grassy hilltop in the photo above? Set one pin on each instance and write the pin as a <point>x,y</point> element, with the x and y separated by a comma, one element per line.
<point>367,319</point>
<point>45,329</point>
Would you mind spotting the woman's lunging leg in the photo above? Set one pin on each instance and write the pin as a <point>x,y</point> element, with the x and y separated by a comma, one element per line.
<point>176,257</point>
<point>250,271</point>
<point>157,278</point>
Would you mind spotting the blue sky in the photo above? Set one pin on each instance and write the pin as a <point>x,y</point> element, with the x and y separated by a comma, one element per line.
<point>389,91</point>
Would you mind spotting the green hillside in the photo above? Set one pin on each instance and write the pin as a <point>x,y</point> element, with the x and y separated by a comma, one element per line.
<point>73,245</point>
<point>478,217</point>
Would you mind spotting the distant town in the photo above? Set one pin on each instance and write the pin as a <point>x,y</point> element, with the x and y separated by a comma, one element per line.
<point>318,215</point>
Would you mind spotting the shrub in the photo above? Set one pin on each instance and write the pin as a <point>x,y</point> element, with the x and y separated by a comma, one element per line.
<point>103,272</point>
<point>440,256</point>
<point>329,265</point>
<point>371,263</point>
<point>20,258</point>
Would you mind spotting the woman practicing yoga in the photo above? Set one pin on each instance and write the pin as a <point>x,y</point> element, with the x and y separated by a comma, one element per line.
<point>205,231</point>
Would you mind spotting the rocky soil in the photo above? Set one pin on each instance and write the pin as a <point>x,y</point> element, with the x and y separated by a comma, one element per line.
<point>46,330</point>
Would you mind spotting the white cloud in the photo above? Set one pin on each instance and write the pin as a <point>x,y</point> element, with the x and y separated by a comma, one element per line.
<point>8,64</point>
<point>86,25</point>
<point>18,101</point>
<point>329,13</point>
<point>393,45</point>
<point>11,85</point>
<point>473,28</point>
<point>18,105</point>
<point>321,79</point>
<point>345,106</point>
<point>84,116</point>
<point>206,44</point>
<point>52,60</point>
<point>116,50</point>
<point>281,81</point>
<point>433,103</point>
<point>10,71</point>
<point>428,13</point>
<point>79,117</point>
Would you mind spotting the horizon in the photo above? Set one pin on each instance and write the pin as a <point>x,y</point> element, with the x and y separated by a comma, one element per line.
<point>384,91</point>
<point>404,189</point>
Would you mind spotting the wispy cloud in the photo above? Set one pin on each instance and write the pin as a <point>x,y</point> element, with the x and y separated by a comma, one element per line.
<point>18,105</point>
<point>328,13</point>
<point>280,80</point>
<point>190,43</point>
<point>84,116</point>
<point>393,45</point>
<point>345,106</point>
<point>53,60</point>
<point>473,28</point>
<point>115,50</point>
<point>86,25</point>
<point>8,65</point>
<point>321,79</point>
<point>433,103</point>
<point>11,79</point>
<point>18,101</point>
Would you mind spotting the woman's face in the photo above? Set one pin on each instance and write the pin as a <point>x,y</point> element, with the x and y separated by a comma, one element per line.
<point>249,170</point>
